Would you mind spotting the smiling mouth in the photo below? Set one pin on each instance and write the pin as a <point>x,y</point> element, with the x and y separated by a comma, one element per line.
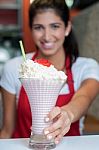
<point>47,45</point>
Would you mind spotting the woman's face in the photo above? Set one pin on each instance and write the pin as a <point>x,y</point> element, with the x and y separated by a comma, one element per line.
<point>48,32</point>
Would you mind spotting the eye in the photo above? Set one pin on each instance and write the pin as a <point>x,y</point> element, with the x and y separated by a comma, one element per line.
<point>55,26</point>
<point>37,27</point>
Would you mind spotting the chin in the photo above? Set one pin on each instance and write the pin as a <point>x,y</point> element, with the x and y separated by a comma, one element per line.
<point>47,52</point>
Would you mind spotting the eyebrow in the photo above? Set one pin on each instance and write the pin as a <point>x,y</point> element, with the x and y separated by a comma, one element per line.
<point>56,23</point>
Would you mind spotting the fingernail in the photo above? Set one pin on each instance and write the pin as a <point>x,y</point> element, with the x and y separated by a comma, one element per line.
<point>49,137</point>
<point>56,142</point>
<point>46,119</point>
<point>46,132</point>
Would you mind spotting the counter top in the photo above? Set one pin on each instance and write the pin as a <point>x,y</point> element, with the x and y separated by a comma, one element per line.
<point>87,142</point>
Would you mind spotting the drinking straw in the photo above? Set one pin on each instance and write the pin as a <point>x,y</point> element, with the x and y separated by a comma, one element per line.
<point>22,50</point>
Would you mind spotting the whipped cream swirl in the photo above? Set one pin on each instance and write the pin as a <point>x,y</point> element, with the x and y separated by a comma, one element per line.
<point>32,69</point>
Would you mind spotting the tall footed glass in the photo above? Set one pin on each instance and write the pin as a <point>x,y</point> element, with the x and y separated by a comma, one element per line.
<point>42,95</point>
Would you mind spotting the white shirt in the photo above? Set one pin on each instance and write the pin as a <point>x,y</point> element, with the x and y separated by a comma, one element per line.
<point>82,69</point>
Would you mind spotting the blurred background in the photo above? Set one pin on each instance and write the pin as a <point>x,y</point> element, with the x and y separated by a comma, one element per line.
<point>82,4</point>
<point>14,26</point>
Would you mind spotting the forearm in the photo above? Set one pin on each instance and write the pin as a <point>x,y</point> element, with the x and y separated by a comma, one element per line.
<point>82,99</point>
<point>7,129</point>
<point>77,107</point>
<point>9,114</point>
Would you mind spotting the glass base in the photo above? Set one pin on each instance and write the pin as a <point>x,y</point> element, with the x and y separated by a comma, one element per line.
<point>40,142</point>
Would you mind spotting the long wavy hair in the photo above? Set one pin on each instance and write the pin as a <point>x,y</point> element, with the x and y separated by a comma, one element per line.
<point>61,9</point>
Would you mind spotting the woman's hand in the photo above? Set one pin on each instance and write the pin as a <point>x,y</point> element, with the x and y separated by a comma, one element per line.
<point>73,111</point>
<point>61,123</point>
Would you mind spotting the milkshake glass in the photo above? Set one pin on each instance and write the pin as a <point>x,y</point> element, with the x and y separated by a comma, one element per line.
<point>42,95</point>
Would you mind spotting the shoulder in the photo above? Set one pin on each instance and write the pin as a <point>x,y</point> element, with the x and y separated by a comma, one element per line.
<point>10,73</point>
<point>85,62</point>
<point>85,68</point>
<point>11,67</point>
<point>19,59</point>
<point>13,63</point>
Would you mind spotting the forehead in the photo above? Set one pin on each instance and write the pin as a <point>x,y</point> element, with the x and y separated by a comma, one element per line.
<point>47,15</point>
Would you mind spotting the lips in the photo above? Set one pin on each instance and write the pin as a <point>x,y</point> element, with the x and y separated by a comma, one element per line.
<point>47,45</point>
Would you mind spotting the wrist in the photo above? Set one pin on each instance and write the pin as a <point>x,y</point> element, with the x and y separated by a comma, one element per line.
<point>70,114</point>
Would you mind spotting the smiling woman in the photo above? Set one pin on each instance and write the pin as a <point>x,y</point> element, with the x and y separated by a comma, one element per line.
<point>51,28</point>
<point>50,35</point>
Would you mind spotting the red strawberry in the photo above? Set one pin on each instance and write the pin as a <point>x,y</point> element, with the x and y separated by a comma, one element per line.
<point>44,62</point>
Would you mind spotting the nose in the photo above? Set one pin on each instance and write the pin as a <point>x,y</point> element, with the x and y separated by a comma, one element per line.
<point>47,34</point>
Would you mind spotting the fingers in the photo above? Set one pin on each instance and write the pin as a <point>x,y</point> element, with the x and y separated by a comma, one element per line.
<point>65,129</point>
<point>58,134</point>
<point>60,122</point>
<point>53,134</point>
<point>58,117</point>
<point>59,137</point>
<point>61,125</point>
<point>55,112</point>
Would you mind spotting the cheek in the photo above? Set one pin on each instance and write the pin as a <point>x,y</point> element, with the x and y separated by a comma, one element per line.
<point>35,35</point>
<point>60,35</point>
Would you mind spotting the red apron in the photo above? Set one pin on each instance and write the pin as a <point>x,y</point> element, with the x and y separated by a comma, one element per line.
<point>24,119</point>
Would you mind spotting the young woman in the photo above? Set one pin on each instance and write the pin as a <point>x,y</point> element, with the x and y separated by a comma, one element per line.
<point>51,28</point>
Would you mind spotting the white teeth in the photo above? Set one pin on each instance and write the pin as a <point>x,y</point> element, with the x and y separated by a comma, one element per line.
<point>48,45</point>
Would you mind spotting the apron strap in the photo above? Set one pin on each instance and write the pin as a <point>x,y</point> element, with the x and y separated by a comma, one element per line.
<point>70,80</point>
